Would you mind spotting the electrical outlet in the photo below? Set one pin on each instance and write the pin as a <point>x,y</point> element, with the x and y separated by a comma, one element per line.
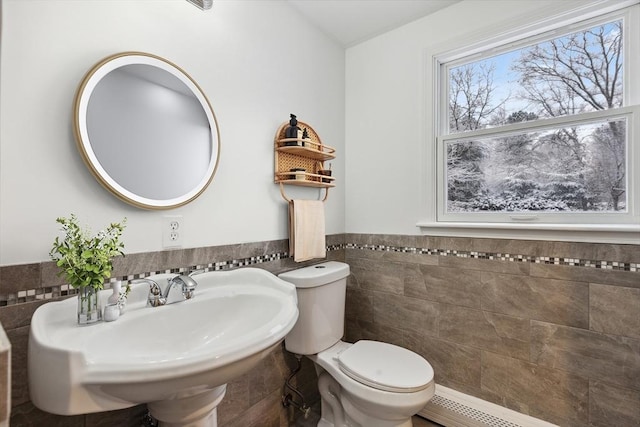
<point>172,231</point>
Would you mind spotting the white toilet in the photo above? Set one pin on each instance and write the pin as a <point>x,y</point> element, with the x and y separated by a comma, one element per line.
<point>367,384</point>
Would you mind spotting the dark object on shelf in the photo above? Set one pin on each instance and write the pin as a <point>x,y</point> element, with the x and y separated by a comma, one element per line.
<point>325,172</point>
<point>305,135</point>
<point>293,130</point>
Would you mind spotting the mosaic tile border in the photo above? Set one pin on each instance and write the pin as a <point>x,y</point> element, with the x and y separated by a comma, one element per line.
<point>47,293</point>
<point>573,262</point>
<point>213,266</point>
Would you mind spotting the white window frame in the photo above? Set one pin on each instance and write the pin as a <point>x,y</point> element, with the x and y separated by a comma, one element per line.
<point>577,226</point>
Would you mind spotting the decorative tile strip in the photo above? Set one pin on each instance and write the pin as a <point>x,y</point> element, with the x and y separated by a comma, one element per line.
<point>604,265</point>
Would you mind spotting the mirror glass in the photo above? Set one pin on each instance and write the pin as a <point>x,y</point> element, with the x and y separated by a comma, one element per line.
<point>146,130</point>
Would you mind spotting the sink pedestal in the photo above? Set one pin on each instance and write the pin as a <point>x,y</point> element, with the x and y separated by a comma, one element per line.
<point>198,410</point>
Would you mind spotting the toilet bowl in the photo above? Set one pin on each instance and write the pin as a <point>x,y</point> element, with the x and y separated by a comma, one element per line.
<point>377,384</point>
<point>368,383</point>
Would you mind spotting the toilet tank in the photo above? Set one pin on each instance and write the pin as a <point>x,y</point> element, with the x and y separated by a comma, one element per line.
<point>321,293</point>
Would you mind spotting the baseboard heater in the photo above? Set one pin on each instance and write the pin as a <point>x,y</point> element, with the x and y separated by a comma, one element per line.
<point>454,409</point>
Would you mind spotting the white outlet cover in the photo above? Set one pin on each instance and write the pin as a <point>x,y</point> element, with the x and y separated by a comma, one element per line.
<point>172,231</point>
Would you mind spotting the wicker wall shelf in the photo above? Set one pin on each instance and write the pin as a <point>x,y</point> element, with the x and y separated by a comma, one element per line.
<point>308,154</point>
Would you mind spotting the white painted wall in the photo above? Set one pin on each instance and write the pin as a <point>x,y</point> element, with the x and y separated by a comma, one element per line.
<point>257,61</point>
<point>389,117</point>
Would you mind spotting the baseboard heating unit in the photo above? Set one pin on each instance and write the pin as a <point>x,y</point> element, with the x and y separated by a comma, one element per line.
<point>454,409</point>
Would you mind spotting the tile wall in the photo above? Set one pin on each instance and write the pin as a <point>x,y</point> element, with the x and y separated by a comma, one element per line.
<point>549,329</point>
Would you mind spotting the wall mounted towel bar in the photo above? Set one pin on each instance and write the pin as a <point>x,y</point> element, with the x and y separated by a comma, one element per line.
<point>284,196</point>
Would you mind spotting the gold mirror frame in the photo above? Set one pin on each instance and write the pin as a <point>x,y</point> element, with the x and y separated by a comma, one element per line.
<point>97,152</point>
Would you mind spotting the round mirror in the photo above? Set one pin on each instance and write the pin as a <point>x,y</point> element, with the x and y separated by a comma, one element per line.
<point>146,130</point>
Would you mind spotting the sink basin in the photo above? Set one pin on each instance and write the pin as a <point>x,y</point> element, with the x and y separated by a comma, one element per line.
<point>171,357</point>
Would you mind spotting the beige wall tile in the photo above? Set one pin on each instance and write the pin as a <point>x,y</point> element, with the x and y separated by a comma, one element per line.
<point>267,376</point>
<point>409,314</point>
<point>608,358</point>
<point>358,238</point>
<point>355,255</point>
<point>337,255</point>
<point>549,394</point>
<point>357,330</point>
<point>49,275</point>
<point>509,246</point>
<point>613,406</point>
<point>18,315</point>
<point>452,363</point>
<point>621,253</point>
<point>146,262</point>
<point>377,276</point>
<point>614,310</point>
<point>587,274</point>
<point>410,258</point>
<point>397,240</point>
<point>451,243</point>
<point>14,278</point>
<point>266,413</point>
<point>235,401</point>
<point>571,250</point>
<point>359,304</point>
<point>332,239</point>
<point>446,285</point>
<point>556,301</point>
<point>19,382</point>
<point>483,330</point>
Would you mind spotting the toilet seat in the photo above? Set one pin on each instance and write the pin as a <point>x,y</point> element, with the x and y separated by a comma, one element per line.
<point>385,367</point>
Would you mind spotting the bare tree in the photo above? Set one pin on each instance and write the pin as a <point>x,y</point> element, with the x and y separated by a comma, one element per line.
<point>471,106</point>
<point>610,165</point>
<point>573,74</point>
<point>471,97</point>
<point>582,71</point>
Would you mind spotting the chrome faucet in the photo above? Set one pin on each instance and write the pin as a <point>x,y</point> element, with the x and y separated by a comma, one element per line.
<point>157,298</point>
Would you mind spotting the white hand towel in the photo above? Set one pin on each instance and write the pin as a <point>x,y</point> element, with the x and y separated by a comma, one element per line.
<point>306,230</point>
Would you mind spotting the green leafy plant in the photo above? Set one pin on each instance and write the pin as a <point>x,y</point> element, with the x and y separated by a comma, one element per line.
<point>85,260</point>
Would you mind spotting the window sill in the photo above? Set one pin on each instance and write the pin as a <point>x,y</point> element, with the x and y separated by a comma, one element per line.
<point>591,233</point>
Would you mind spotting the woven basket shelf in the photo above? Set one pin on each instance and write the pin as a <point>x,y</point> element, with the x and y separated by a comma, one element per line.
<point>308,154</point>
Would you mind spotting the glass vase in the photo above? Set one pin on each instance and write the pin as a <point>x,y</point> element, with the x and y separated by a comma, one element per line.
<point>89,310</point>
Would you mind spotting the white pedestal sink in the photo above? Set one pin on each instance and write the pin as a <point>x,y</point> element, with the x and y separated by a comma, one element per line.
<point>176,358</point>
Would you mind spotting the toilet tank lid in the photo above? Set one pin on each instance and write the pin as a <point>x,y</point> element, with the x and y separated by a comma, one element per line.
<point>316,275</point>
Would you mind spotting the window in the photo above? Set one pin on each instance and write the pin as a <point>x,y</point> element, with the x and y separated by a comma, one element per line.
<point>543,129</point>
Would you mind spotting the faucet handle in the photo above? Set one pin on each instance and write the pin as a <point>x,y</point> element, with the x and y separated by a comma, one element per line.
<point>196,272</point>
<point>155,297</point>
<point>188,285</point>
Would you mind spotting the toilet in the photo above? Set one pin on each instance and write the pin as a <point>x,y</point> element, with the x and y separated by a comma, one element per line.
<point>367,384</point>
